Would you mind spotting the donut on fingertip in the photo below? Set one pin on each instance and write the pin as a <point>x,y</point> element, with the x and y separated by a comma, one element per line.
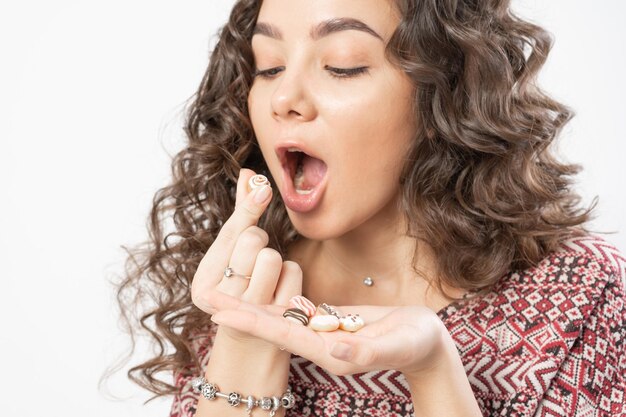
<point>257,181</point>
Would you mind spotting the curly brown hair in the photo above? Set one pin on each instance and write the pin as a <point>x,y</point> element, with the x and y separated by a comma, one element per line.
<point>481,185</point>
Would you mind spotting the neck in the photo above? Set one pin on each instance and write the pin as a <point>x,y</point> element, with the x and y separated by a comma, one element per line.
<point>334,269</point>
<point>382,252</point>
<point>379,248</point>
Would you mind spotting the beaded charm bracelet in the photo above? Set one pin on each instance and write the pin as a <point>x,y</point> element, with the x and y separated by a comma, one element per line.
<point>210,391</point>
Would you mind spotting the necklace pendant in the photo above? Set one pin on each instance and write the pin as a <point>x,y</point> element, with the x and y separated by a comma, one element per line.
<point>368,281</point>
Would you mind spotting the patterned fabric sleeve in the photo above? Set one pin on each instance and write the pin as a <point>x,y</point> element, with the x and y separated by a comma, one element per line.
<point>186,400</point>
<point>550,340</point>
<point>592,378</point>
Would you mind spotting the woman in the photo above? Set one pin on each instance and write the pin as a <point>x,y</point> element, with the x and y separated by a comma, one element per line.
<point>412,184</point>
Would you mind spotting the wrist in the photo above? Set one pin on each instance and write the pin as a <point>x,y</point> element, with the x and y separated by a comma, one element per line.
<point>261,370</point>
<point>242,344</point>
<point>246,368</point>
<point>442,388</point>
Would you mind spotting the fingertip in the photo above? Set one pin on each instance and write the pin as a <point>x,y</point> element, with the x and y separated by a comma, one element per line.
<point>215,318</point>
<point>246,173</point>
<point>289,282</point>
<point>262,195</point>
<point>242,184</point>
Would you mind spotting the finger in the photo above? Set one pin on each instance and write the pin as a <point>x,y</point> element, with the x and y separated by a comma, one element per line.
<point>289,283</point>
<point>294,337</point>
<point>395,348</point>
<point>242,184</point>
<point>242,261</point>
<point>267,270</point>
<point>221,301</point>
<point>246,214</point>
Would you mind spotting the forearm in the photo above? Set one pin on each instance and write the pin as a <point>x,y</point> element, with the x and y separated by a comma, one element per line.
<point>443,390</point>
<point>259,373</point>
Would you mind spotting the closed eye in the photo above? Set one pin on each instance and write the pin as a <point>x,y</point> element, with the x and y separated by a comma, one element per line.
<point>334,72</point>
<point>346,72</point>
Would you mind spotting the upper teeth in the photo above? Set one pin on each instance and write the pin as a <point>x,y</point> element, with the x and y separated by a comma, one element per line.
<point>293,150</point>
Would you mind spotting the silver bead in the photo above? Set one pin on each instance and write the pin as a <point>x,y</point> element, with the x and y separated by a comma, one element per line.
<point>288,400</point>
<point>275,403</point>
<point>266,403</point>
<point>251,403</point>
<point>368,281</point>
<point>234,399</point>
<point>196,383</point>
<point>209,390</point>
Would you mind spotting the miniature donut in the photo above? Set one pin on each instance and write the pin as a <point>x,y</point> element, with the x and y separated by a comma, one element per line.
<point>296,315</point>
<point>304,304</point>
<point>351,323</point>
<point>325,309</point>
<point>258,181</point>
<point>325,323</point>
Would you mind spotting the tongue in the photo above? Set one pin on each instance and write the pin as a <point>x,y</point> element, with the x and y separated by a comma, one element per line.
<point>313,170</point>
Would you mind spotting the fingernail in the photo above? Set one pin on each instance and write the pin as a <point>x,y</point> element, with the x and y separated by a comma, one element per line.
<point>262,194</point>
<point>215,320</point>
<point>341,351</point>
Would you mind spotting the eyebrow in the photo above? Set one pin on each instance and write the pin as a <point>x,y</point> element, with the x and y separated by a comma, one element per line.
<point>324,28</point>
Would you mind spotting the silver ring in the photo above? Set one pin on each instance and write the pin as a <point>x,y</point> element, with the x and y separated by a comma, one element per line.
<point>228,272</point>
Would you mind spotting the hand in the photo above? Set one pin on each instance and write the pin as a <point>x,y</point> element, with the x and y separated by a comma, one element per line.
<point>410,339</point>
<point>241,244</point>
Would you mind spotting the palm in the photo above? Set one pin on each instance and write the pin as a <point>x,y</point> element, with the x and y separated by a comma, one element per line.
<point>393,337</point>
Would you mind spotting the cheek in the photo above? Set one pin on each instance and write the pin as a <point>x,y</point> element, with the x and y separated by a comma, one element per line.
<point>253,108</point>
<point>375,133</point>
<point>260,124</point>
<point>376,136</point>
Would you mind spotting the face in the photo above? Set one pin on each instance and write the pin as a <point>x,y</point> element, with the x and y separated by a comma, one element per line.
<point>330,112</point>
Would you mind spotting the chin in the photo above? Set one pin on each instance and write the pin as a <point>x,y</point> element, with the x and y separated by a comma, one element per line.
<point>317,227</point>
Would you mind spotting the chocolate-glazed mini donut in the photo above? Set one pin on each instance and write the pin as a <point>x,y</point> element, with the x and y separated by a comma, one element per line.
<point>296,315</point>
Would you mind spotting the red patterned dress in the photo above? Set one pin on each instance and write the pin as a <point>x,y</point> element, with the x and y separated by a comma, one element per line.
<point>546,341</point>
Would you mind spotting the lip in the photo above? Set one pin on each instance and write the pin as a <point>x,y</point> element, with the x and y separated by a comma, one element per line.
<point>301,203</point>
<point>281,150</point>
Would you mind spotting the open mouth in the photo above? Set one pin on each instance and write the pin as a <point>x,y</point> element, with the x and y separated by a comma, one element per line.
<point>305,171</point>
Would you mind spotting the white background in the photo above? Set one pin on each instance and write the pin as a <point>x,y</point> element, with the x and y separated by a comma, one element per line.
<point>91,94</point>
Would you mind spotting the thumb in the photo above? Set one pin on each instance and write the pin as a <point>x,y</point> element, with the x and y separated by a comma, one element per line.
<point>391,349</point>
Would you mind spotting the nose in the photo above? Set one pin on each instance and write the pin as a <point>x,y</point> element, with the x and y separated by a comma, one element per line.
<point>292,99</point>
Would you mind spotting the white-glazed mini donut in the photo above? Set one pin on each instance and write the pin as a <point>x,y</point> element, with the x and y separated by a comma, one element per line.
<point>257,181</point>
<point>351,323</point>
<point>325,323</point>
<point>303,303</point>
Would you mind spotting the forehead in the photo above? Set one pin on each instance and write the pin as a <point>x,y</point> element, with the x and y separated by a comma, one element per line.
<point>316,19</point>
